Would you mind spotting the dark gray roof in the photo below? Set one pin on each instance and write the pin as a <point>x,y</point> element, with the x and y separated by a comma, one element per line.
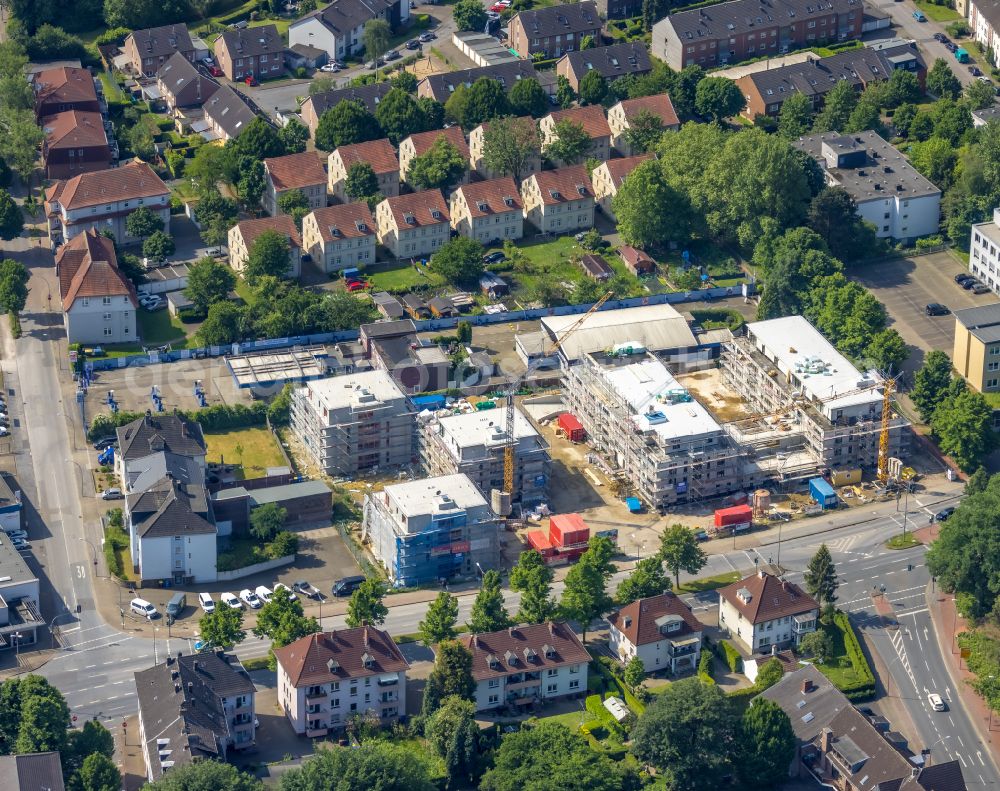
<point>31,772</point>
<point>156,467</point>
<point>229,111</point>
<point>187,710</point>
<point>816,76</point>
<point>990,11</point>
<point>368,95</point>
<point>941,777</point>
<point>252,41</point>
<point>982,322</point>
<point>389,329</point>
<point>441,86</point>
<point>560,19</point>
<point>745,16</point>
<point>308,51</point>
<point>811,711</point>
<point>161,432</point>
<point>611,62</point>
<point>170,508</point>
<point>155,42</point>
<point>186,84</point>
<point>343,16</point>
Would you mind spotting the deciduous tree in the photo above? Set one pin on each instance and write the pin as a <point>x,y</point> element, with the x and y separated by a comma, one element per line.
<point>98,773</point>
<point>366,606</point>
<point>887,350</point>
<point>509,144</point>
<point>269,255</point>
<point>400,115</point>
<point>644,131</point>
<point>647,580</point>
<point>818,645</point>
<point>440,621</point>
<point>346,123</point>
<point>470,15</point>
<point>569,144</point>
<point>532,578</point>
<point>585,596</point>
<point>376,38</point>
<point>209,281</point>
<point>963,426</point>
<point>795,116</point>
<point>838,105</point>
<point>223,626</point>
<point>158,246</point>
<point>527,97</point>
<point>372,764</point>
<point>718,98</point>
<point>361,182</point>
<point>650,211</point>
<point>266,520</point>
<point>141,223</point>
<point>767,745</point>
<point>593,88</point>
<point>451,675</point>
<point>942,82</point>
<point>634,673</point>
<point>459,260</point>
<point>930,383</point>
<point>679,551</point>
<point>441,167</point>
<point>453,733</point>
<point>293,136</point>
<point>224,324</point>
<point>283,621</point>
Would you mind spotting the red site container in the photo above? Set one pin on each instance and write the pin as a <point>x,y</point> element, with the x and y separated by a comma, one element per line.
<point>566,530</point>
<point>738,514</point>
<point>574,429</point>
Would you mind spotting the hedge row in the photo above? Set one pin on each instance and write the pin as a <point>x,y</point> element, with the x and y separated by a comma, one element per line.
<point>865,688</point>
<point>218,417</point>
<point>115,539</point>
<point>730,656</point>
<point>607,668</point>
<point>705,667</point>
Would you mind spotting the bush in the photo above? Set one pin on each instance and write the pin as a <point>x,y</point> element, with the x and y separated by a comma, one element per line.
<point>730,656</point>
<point>864,688</point>
<point>115,540</point>
<point>283,544</point>
<point>222,417</point>
<point>115,35</point>
<point>929,242</point>
<point>705,667</point>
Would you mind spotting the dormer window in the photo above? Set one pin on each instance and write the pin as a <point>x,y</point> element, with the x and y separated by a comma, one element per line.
<point>511,657</point>
<point>335,232</point>
<point>556,195</point>
<point>481,205</point>
<point>333,665</point>
<point>493,661</point>
<point>508,200</point>
<point>581,189</point>
<point>549,651</point>
<point>435,214</point>
<point>409,219</point>
<point>744,595</point>
<point>361,226</point>
<point>367,659</point>
<point>530,654</point>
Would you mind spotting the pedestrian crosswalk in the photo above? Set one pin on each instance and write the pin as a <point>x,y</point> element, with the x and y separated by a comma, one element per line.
<point>896,637</point>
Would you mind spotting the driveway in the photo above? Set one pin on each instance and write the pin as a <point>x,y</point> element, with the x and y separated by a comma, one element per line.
<point>906,285</point>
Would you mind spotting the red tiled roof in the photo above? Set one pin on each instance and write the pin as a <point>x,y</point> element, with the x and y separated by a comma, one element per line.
<point>74,129</point>
<point>591,118</point>
<point>770,598</point>
<point>569,183</point>
<point>618,169</point>
<point>419,206</point>
<point>493,194</point>
<point>634,256</point>
<point>283,224</point>
<point>378,153</point>
<point>345,218</point>
<point>524,648</point>
<point>87,267</point>
<point>64,84</point>
<point>307,660</point>
<point>659,105</point>
<point>637,621</point>
<point>135,180</point>
<point>296,170</point>
<point>422,141</point>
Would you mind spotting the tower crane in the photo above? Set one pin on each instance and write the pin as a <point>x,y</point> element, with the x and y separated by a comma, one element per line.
<point>510,444</point>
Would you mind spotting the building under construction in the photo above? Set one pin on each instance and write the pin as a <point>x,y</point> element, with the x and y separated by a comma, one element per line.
<point>814,409</point>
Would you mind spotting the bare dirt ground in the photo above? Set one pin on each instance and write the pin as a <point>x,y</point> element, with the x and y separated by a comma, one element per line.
<point>425,67</point>
<point>707,387</point>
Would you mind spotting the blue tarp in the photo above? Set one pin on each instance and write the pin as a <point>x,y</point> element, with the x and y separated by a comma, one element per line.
<point>429,402</point>
<point>634,504</point>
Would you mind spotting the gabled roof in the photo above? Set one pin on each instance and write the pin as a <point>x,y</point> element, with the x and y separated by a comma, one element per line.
<point>659,105</point>
<point>184,82</point>
<point>155,433</point>
<point>769,598</point>
<point>31,772</point>
<point>745,16</point>
<point>156,42</point>
<point>128,182</point>
<point>495,196</point>
<point>87,267</point>
<point>251,42</point>
<point>634,256</point>
<point>638,620</point>
<point>591,118</point>
<point>809,707</point>
<point>612,61</point>
<point>618,169</point>
<point>368,95</point>
<point>422,142</point>
<point>350,220</point>
<point>441,86</point>
<point>558,20</point>
<point>340,654</point>
<point>229,111</point>
<point>64,84</point>
<point>294,171</point>
<point>74,129</point>
<point>530,648</point>
<point>341,17</point>
<point>418,208</point>
<point>378,153</point>
<point>283,224</point>
<point>562,185</point>
<point>170,508</point>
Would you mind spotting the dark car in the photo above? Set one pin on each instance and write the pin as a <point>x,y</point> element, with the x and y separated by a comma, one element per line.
<point>981,288</point>
<point>975,71</point>
<point>961,277</point>
<point>494,258</point>
<point>944,513</point>
<point>969,284</point>
<point>105,442</point>
<point>936,309</point>
<point>939,37</point>
<point>951,47</point>
<point>413,44</point>
<point>347,585</point>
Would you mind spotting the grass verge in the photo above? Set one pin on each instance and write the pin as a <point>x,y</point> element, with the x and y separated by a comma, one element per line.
<point>938,13</point>
<point>159,327</point>
<point>259,450</point>
<point>710,583</point>
<point>902,542</point>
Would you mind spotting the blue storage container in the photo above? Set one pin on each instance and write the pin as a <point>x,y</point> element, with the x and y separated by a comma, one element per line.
<point>822,493</point>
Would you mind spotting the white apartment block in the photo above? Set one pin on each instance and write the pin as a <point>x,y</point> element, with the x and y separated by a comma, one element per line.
<point>473,444</point>
<point>488,211</point>
<point>762,611</point>
<point>325,680</point>
<point>984,20</point>
<point>527,665</point>
<point>415,225</point>
<point>338,237</point>
<point>354,424</point>
<point>984,252</point>
<point>432,529</point>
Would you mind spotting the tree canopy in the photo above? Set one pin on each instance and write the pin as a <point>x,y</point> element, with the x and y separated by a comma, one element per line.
<point>488,611</point>
<point>679,551</point>
<point>451,675</point>
<point>532,577</point>
<point>569,144</point>
<point>510,144</point>
<point>346,123</point>
<point>440,621</point>
<point>647,580</point>
<point>211,776</point>
<point>821,577</point>
<point>459,260</point>
<point>440,167</point>
<point>270,255</point>
<point>767,745</point>
<point>366,607</point>
<point>585,596</point>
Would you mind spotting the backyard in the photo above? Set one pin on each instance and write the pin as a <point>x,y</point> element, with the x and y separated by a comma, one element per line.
<point>253,450</point>
<point>158,327</point>
<point>401,277</point>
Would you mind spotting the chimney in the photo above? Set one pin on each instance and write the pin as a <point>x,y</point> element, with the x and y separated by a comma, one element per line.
<point>196,666</point>
<point>784,585</point>
<point>552,629</point>
<point>475,641</point>
<point>510,630</point>
<point>774,649</point>
<point>761,574</point>
<point>807,686</point>
<point>825,740</point>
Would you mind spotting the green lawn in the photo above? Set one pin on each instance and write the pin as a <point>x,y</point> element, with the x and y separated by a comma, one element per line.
<point>158,327</point>
<point>902,542</point>
<point>404,277</point>
<point>237,552</point>
<point>111,90</point>
<point>573,720</point>
<point>260,450</point>
<point>711,583</point>
<point>839,669</point>
<point>938,13</point>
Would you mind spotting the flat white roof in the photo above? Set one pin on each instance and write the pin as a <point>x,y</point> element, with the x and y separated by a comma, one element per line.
<point>353,390</point>
<point>435,495</point>
<point>801,352</point>
<point>487,427</point>
<point>655,327</point>
<point>658,400</point>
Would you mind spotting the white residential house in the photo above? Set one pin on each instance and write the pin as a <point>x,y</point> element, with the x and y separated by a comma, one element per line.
<point>327,679</point>
<point>413,225</point>
<point>660,630</point>
<point>144,439</point>
<point>762,611</point>
<point>243,235</point>
<point>339,28</point>
<point>526,665</point>
<point>559,201</point>
<point>338,237</point>
<point>488,211</point>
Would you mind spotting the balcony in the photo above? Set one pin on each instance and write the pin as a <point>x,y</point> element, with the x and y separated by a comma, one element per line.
<point>314,698</point>
<point>803,624</point>
<point>313,732</point>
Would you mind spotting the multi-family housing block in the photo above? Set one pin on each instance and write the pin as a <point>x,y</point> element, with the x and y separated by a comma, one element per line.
<point>762,610</point>
<point>559,201</point>
<point>554,30</point>
<point>378,153</point>
<point>338,237</point>
<point>488,211</point>
<point>413,225</point>
<point>303,172</point>
<point>243,235</point>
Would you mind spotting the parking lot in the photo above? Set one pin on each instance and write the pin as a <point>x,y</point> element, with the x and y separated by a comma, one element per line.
<point>907,285</point>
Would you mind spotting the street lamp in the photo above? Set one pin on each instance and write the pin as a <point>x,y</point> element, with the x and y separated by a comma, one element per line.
<point>52,623</point>
<point>92,546</point>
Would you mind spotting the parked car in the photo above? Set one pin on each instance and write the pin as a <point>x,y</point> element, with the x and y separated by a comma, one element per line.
<point>4,431</point>
<point>944,513</point>
<point>961,277</point>
<point>413,43</point>
<point>330,68</point>
<point>215,71</point>
<point>112,493</point>
<point>919,16</point>
<point>936,309</point>
<point>264,593</point>
<point>936,702</point>
<point>104,443</point>
<point>251,81</point>
<point>251,599</point>
<point>20,544</point>
<point>347,585</point>
<point>306,589</point>
<point>494,257</point>
<point>392,54</point>
<point>939,37</point>
<point>981,288</point>
<point>985,79</point>
<point>21,534</point>
<point>427,36</point>
<point>357,285</point>
<point>701,535</point>
<point>975,71</point>
<point>207,61</point>
<point>969,284</point>
<point>280,587</point>
<point>206,603</point>
<point>143,608</point>
<point>231,601</point>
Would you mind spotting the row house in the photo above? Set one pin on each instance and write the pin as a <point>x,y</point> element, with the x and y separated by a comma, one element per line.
<point>226,114</point>
<point>608,177</point>
<point>419,144</point>
<point>254,52</point>
<point>62,89</point>
<point>182,85</point>
<point>594,124</point>
<point>488,211</point>
<point>559,201</point>
<point>378,153</point>
<point>303,172</point>
<point>103,199</point>
<point>554,30</point>
<point>338,237</point>
<point>75,142</point>
<point>623,116</point>
<point>243,235</point>
<point>440,87</point>
<point>611,62</point>
<point>148,49</point>
<point>415,225</point>
<point>477,139</point>
<point>318,103</point>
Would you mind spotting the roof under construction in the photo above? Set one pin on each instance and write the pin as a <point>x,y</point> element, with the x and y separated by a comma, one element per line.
<point>270,368</point>
<point>653,327</point>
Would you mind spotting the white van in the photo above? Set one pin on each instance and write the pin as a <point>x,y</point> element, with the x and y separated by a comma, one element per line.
<point>205,600</point>
<point>144,608</point>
